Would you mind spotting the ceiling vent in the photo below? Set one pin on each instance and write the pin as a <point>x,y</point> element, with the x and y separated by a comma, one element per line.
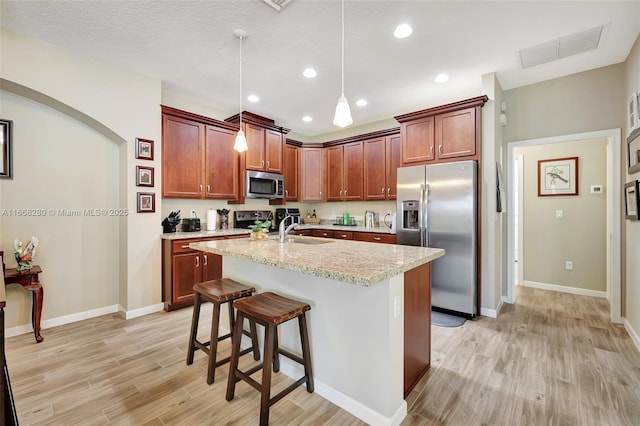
<point>277,4</point>
<point>561,47</point>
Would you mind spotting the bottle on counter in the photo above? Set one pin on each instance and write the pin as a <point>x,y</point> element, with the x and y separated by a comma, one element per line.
<point>308,215</point>
<point>314,214</point>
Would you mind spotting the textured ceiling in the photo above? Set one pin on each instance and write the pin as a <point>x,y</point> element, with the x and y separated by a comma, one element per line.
<point>190,46</point>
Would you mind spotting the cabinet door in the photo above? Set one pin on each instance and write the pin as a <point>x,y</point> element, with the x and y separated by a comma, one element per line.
<point>312,174</point>
<point>182,158</point>
<point>211,266</point>
<point>254,159</point>
<point>186,272</point>
<point>455,134</point>
<point>273,151</point>
<point>221,164</point>
<point>335,164</point>
<point>374,159</point>
<point>418,138</point>
<point>291,172</point>
<point>353,172</point>
<point>393,145</point>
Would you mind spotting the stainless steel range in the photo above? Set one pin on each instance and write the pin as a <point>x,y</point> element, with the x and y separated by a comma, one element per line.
<point>244,219</point>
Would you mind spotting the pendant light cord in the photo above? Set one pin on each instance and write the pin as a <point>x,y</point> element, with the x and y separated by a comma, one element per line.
<point>241,38</point>
<point>342,69</point>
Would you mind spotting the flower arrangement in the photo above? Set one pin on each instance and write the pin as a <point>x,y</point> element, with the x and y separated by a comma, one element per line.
<point>24,256</point>
<point>260,230</point>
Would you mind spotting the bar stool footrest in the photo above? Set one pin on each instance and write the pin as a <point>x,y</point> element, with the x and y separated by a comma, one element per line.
<point>287,391</point>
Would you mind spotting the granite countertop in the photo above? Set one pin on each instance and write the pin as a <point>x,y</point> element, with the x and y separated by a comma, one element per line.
<point>233,231</point>
<point>354,262</point>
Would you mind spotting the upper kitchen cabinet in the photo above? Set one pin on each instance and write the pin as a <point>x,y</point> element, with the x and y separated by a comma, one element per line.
<point>381,154</point>
<point>265,142</point>
<point>291,172</point>
<point>446,133</point>
<point>198,160</point>
<point>311,174</point>
<point>345,172</point>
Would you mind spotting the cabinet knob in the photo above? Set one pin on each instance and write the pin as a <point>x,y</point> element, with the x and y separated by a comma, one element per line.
<point>200,189</point>
<point>388,191</point>
<point>341,193</point>
<point>267,164</point>
<point>208,188</point>
<point>376,238</point>
<point>197,261</point>
<point>205,260</point>
<point>261,163</point>
<point>185,247</point>
<point>382,191</point>
<point>286,192</point>
<point>440,149</point>
<point>345,192</point>
<point>343,235</point>
<point>431,150</point>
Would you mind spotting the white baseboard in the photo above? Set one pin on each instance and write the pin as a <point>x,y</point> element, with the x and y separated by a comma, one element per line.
<point>354,407</point>
<point>633,333</point>
<point>68,319</point>
<point>135,313</point>
<point>565,289</point>
<point>491,313</point>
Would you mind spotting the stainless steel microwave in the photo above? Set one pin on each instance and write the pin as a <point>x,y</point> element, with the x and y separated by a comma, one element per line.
<point>264,185</point>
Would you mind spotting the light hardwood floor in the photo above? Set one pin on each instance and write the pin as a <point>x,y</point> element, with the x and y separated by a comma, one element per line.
<point>549,359</point>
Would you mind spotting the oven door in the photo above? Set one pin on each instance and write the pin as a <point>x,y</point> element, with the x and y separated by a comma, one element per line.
<point>264,185</point>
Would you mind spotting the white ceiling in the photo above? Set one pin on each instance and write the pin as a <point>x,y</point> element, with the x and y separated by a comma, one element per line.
<point>190,46</point>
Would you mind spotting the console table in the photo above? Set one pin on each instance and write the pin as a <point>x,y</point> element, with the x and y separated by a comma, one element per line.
<point>29,281</point>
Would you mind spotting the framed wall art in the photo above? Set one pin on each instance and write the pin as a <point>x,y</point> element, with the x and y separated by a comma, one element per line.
<point>631,199</point>
<point>6,155</point>
<point>144,149</point>
<point>144,176</point>
<point>632,112</point>
<point>557,177</point>
<point>633,151</point>
<point>146,202</point>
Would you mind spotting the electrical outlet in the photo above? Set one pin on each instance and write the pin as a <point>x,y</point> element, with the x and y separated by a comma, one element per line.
<point>568,265</point>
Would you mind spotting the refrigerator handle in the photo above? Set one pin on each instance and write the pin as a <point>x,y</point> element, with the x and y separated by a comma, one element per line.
<point>421,215</point>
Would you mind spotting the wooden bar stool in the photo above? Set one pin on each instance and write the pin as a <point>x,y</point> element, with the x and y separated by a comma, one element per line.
<point>269,310</point>
<point>217,292</point>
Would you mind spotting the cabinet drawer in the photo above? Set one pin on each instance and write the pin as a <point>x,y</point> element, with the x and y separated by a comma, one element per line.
<point>304,232</point>
<point>182,246</point>
<point>373,237</point>
<point>322,233</point>
<point>343,235</point>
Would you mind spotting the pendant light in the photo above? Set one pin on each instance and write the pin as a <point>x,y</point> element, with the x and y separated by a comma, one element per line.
<point>342,117</point>
<point>241,141</point>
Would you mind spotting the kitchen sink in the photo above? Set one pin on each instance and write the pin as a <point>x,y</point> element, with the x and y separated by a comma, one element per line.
<point>306,241</point>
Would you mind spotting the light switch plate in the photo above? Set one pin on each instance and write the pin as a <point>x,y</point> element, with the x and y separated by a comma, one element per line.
<point>596,189</point>
<point>559,214</point>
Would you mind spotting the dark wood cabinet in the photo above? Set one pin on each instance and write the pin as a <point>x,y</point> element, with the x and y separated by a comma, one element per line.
<point>291,172</point>
<point>417,325</point>
<point>445,133</point>
<point>345,172</point>
<point>381,158</point>
<point>182,267</point>
<point>265,148</point>
<point>312,169</point>
<point>323,233</point>
<point>374,237</point>
<point>337,234</point>
<point>198,159</point>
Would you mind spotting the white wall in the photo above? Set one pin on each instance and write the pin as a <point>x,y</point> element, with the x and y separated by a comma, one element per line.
<point>118,104</point>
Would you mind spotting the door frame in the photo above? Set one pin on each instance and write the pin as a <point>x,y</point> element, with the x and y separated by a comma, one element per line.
<point>614,185</point>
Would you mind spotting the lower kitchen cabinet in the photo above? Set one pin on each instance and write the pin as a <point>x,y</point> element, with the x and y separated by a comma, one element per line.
<point>374,237</point>
<point>182,267</point>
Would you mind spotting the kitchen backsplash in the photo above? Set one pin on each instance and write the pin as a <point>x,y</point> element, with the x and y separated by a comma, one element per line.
<point>323,210</point>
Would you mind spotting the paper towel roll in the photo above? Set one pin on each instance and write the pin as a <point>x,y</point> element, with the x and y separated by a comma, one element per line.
<point>212,220</point>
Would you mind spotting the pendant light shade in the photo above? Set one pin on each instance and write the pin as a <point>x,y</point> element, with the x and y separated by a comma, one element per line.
<point>342,118</point>
<point>240,144</point>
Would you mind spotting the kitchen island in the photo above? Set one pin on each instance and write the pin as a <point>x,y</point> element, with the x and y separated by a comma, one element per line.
<point>369,324</point>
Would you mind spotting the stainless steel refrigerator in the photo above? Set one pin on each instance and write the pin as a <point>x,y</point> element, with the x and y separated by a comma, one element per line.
<point>437,207</point>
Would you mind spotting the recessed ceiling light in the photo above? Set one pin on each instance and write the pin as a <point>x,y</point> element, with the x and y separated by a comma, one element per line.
<point>253,98</point>
<point>309,73</point>
<point>361,102</point>
<point>402,31</point>
<point>441,78</point>
<point>307,119</point>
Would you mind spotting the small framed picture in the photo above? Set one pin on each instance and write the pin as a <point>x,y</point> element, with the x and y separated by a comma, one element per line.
<point>144,149</point>
<point>558,176</point>
<point>633,118</point>
<point>146,202</point>
<point>6,166</point>
<point>144,176</point>
<point>631,199</point>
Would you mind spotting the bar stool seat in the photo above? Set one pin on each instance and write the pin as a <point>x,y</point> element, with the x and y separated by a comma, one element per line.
<point>269,310</point>
<point>217,292</point>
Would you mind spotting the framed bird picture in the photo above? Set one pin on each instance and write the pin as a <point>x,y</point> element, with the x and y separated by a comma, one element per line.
<point>558,176</point>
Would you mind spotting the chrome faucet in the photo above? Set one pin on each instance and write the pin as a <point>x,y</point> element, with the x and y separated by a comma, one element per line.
<point>284,231</point>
